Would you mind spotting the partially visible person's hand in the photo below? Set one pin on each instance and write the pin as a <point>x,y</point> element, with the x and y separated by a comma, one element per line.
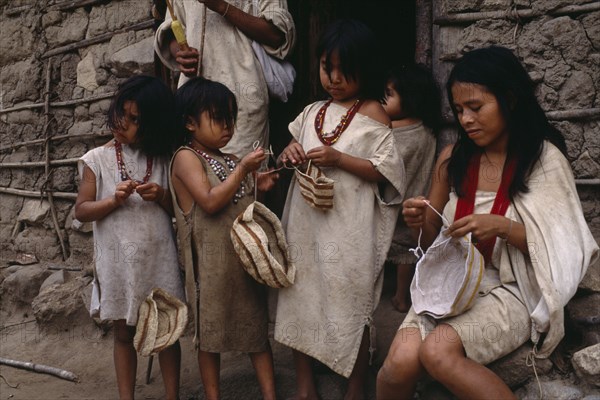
<point>217,6</point>
<point>324,156</point>
<point>187,61</point>
<point>265,180</point>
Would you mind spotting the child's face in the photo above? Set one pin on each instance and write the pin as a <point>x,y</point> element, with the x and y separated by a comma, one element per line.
<point>126,133</point>
<point>208,133</point>
<point>479,114</point>
<point>335,83</point>
<point>392,103</point>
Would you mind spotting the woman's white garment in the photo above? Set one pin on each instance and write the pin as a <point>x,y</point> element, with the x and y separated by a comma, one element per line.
<point>228,58</point>
<point>134,246</point>
<point>561,247</point>
<point>339,253</point>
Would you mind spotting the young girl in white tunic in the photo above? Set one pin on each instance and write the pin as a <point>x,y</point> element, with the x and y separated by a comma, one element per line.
<point>124,191</point>
<point>339,253</point>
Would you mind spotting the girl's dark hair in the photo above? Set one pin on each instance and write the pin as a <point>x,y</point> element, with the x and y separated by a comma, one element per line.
<point>420,94</point>
<point>359,54</point>
<point>198,95</point>
<point>156,108</point>
<point>500,72</point>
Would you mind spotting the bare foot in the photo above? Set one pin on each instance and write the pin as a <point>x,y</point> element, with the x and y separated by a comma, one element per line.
<point>401,305</point>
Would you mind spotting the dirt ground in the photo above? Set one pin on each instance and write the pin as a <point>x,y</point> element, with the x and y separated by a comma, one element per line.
<point>83,349</point>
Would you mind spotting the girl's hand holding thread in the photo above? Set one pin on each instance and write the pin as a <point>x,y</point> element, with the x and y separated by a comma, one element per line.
<point>293,153</point>
<point>413,211</point>
<point>123,191</point>
<point>151,191</point>
<point>253,161</point>
<point>325,156</point>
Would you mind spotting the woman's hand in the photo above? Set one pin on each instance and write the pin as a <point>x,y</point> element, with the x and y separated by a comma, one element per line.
<point>266,180</point>
<point>413,211</point>
<point>123,191</point>
<point>151,191</point>
<point>253,161</point>
<point>293,153</point>
<point>324,156</point>
<point>481,226</point>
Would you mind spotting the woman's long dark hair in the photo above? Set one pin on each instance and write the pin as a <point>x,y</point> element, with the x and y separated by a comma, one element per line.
<point>156,107</point>
<point>500,72</point>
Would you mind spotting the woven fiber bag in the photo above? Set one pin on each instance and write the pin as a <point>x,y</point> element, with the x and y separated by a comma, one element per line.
<point>315,187</point>
<point>260,243</point>
<point>447,277</point>
<point>161,321</point>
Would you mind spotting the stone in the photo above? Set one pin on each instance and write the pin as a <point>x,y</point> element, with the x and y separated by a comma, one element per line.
<point>555,390</point>
<point>117,15</point>
<point>34,211</point>
<point>60,305</point>
<point>23,285</point>
<point>591,280</point>
<point>513,369</point>
<point>21,82</point>
<point>586,363</point>
<point>81,128</point>
<point>72,29</point>
<point>21,43</point>
<point>571,95</point>
<point>568,37</point>
<point>586,167</point>
<point>86,73</point>
<point>57,278</point>
<point>135,59</point>
<point>591,24</point>
<point>38,241</point>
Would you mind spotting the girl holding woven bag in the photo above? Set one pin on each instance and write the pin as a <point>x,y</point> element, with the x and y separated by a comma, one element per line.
<point>124,191</point>
<point>340,249</point>
<point>210,189</point>
<point>507,183</point>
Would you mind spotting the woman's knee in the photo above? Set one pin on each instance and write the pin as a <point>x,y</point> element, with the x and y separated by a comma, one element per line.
<point>402,362</point>
<point>440,350</point>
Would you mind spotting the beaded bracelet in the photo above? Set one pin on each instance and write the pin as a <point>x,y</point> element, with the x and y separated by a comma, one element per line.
<point>226,9</point>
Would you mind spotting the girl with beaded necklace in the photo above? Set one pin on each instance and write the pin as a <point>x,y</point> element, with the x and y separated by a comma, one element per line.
<point>123,190</point>
<point>210,189</point>
<point>327,313</point>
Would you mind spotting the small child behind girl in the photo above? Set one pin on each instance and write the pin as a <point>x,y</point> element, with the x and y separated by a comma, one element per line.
<point>327,313</point>
<point>124,191</point>
<point>210,189</point>
<point>412,101</point>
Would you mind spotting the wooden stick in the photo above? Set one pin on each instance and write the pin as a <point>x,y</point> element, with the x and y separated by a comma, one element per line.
<point>202,37</point>
<point>72,4</point>
<point>423,48</point>
<point>37,195</point>
<point>58,104</point>
<point>28,164</point>
<point>585,113</point>
<point>56,268</point>
<point>56,138</point>
<point>587,182</point>
<point>44,369</point>
<point>17,10</point>
<point>464,18</point>
<point>47,171</point>
<point>98,39</point>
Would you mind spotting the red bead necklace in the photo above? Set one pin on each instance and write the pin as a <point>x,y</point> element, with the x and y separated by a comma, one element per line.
<point>329,139</point>
<point>123,169</point>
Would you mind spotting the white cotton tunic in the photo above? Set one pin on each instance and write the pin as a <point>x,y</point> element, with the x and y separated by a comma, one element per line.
<point>134,246</point>
<point>228,58</point>
<point>339,253</point>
